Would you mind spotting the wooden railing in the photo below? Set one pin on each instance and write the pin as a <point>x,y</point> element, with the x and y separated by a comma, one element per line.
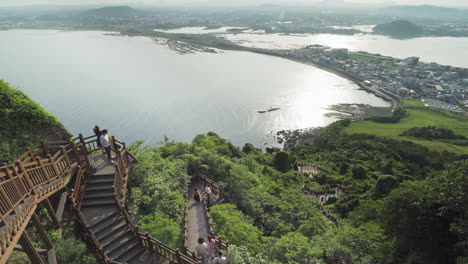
<point>222,195</point>
<point>40,172</point>
<point>43,170</point>
<point>88,145</point>
<point>173,255</point>
<point>121,171</point>
<point>77,193</point>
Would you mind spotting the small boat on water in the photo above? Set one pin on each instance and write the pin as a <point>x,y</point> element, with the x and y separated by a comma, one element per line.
<point>271,109</point>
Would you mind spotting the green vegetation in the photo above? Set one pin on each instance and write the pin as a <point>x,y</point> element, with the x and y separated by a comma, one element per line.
<point>157,187</point>
<point>72,250</point>
<point>20,118</point>
<point>361,57</point>
<point>271,221</point>
<point>418,116</point>
<point>431,132</point>
<point>399,29</point>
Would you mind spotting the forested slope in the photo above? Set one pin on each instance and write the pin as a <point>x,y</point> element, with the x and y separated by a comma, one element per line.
<point>401,202</point>
<point>23,123</point>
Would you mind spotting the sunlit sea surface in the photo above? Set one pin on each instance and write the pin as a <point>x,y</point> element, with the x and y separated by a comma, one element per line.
<point>143,91</point>
<point>443,50</point>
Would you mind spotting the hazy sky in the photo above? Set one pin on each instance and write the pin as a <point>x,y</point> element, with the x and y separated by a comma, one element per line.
<point>218,2</point>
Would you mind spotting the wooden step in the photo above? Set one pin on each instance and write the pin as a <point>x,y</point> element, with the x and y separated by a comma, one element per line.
<point>110,241</point>
<point>131,254</point>
<point>98,195</point>
<point>124,250</point>
<point>106,221</point>
<point>97,188</point>
<point>109,225</point>
<point>99,202</point>
<point>120,244</point>
<point>107,232</point>
<point>100,179</point>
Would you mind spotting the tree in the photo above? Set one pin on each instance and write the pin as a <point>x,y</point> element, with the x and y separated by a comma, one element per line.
<point>293,248</point>
<point>359,172</point>
<point>242,255</point>
<point>161,228</point>
<point>384,185</point>
<point>230,224</point>
<point>283,161</point>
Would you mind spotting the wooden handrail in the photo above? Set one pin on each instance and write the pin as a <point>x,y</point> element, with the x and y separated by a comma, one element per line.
<point>40,172</point>
<point>36,175</point>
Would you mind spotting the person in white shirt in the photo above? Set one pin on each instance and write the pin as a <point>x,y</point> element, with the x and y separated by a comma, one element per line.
<point>207,192</point>
<point>201,250</point>
<point>105,143</point>
<point>220,259</point>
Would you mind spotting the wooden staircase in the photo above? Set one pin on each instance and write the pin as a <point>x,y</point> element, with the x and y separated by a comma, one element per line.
<point>99,196</point>
<point>108,224</point>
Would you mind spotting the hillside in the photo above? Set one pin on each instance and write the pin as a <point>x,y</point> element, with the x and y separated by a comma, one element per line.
<point>23,123</point>
<point>113,11</point>
<point>419,116</point>
<point>423,11</point>
<point>399,29</point>
<point>390,190</point>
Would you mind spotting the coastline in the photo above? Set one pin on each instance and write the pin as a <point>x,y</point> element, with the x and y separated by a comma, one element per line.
<point>356,80</point>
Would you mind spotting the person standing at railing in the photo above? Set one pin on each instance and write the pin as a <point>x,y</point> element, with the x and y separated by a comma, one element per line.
<point>220,259</point>
<point>98,133</point>
<point>201,250</point>
<point>196,195</point>
<point>105,143</point>
<point>207,192</point>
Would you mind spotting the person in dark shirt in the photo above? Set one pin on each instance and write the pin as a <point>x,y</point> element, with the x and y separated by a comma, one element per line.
<point>196,195</point>
<point>98,133</point>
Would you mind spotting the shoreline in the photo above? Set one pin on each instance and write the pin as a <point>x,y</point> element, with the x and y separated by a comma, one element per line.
<point>356,80</point>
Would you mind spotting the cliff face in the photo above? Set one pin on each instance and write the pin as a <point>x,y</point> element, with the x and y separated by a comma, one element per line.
<point>24,123</point>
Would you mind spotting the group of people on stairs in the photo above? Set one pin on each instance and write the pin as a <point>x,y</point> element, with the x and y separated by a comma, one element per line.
<point>207,191</point>
<point>207,251</point>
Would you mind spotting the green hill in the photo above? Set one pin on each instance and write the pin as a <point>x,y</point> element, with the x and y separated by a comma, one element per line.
<point>418,116</point>
<point>24,123</point>
<point>399,29</point>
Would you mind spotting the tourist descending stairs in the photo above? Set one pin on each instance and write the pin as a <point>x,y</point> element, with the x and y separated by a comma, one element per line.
<point>197,219</point>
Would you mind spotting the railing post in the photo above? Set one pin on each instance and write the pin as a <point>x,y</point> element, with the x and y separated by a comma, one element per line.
<point>31,154</point>
<point>65,155</point>
<point>56,170</point>
<point>43,169</point>
<point>148,238</point>
<point>25,174</point>
<point>75,152</point>
<point>7,171</point>
<point>85,154</point>
<point>83,149</point>
<point>178,257</point>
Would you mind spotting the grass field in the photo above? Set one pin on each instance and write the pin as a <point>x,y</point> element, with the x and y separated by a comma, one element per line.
<point>418,117</point>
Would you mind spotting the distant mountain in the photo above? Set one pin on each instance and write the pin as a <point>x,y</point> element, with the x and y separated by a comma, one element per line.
<point>423,11</point>
<point>113,11</point>
<point>399,29</point>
